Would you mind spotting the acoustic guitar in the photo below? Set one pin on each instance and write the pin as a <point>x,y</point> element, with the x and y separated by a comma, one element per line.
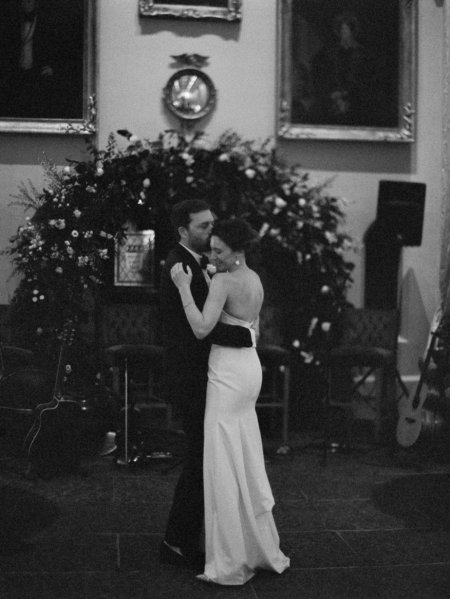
<point>22,387</point>
<point>52,444</point>
<point>409,423</point>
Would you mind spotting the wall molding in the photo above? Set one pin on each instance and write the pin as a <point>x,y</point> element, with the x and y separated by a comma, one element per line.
<point>444,271</point>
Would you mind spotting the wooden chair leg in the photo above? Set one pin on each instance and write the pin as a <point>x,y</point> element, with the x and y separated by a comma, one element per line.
<point>326,417</point>
<point>286,387</point>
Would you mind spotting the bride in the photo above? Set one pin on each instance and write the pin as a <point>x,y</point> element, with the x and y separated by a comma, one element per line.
<point>240,532</point>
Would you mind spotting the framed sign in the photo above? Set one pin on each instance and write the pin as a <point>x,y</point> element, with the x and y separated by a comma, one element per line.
<point>134,260</point>
<point>47,66</point>
<point>347,69</point>
<point>225,10</point>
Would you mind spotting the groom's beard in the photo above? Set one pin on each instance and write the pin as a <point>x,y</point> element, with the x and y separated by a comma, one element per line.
<point>200,248</point>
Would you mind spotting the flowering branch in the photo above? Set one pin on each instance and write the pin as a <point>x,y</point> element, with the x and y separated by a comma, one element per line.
<point>64,249</point>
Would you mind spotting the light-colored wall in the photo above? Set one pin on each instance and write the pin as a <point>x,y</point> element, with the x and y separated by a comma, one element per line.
<point>134,63</point>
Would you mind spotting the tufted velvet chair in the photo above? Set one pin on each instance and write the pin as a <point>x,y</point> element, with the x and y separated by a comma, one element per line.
<point>5,329</point>
<point>366,344</point>
<point>12,358</point>
<point>129,337</point>
<point>22,387</point>
<point>130,323</point>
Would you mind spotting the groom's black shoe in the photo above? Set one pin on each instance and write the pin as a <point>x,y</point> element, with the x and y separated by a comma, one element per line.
<point>191,560</point>
<point>168,556</point>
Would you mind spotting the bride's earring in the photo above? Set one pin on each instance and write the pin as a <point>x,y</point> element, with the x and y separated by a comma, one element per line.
<point>237,261</point>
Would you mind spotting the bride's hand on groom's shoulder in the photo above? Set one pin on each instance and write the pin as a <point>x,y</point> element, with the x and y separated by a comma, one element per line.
<point>179,276</point>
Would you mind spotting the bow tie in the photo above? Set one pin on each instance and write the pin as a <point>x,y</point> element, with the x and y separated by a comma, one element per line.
<point>204,262</point>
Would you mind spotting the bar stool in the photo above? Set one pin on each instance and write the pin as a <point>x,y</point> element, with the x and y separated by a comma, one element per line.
<point>13,358</point>
<point>367,344</point>
<point>123,361</point>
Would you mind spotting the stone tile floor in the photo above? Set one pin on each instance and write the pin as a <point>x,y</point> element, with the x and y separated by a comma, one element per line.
<point>371,523</point>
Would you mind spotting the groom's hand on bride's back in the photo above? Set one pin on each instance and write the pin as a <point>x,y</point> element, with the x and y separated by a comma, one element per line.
<point>230,335</point>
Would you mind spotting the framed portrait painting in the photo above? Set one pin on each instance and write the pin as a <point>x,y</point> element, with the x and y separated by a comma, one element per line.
<point>224,10</point>
<point>346,69</point>
<point>47,66</point>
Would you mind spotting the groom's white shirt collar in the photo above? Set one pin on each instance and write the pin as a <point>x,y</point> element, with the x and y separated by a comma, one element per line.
<point>198,257</point>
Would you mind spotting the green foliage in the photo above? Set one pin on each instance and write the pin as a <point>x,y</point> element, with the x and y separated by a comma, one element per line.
<point>64,250</point>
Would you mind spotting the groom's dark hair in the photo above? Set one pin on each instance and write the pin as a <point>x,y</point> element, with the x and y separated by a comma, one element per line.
<point>182,211</point>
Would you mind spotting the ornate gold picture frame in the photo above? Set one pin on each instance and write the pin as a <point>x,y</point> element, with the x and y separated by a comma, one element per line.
<point>47,68</point>
<point>347,74</point>
<point>224,10</point>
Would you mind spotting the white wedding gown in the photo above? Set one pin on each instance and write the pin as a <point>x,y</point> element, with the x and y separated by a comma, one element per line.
<point>240,532</point>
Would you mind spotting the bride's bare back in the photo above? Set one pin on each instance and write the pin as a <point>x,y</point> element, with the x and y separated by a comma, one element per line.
<point>245,294</point>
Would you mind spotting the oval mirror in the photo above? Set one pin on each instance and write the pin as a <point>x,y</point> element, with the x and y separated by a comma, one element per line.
<point>190,94</point>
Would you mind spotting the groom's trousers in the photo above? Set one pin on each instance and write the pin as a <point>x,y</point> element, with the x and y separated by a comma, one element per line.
<point>186,516</point>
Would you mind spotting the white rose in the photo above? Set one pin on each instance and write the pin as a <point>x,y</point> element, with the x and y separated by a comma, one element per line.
<point>307,357</point>
<point>312,325</point>
<point>201,144</point>
<point>263,230</point>
<point>280,203</point>
<point>188,158</point>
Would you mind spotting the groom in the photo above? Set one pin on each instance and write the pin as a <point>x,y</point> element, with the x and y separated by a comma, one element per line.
<point>185,377</point>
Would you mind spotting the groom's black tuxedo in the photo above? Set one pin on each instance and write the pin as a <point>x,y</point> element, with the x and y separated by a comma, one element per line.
<point>186,357</point>
<point>185,378</point>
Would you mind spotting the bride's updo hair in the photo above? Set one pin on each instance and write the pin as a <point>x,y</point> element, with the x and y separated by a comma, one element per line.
<point>236,233</point>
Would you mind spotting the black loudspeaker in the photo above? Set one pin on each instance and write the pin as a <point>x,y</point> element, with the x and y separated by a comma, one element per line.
<point>401,205</point>
<point>382,261</point>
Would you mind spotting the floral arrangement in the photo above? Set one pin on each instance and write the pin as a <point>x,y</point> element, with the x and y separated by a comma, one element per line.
<point>64,251</point>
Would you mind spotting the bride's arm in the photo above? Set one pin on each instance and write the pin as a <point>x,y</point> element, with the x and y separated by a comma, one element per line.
<point>202,323</point>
